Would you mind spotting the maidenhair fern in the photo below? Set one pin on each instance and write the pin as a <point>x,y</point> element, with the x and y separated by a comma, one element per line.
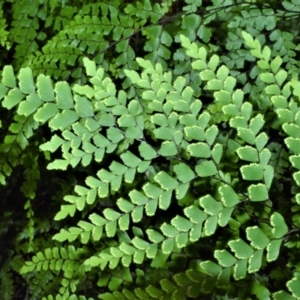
<point>149,150</point>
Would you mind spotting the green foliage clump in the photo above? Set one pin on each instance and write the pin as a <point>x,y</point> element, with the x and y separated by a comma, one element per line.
<point>149,150</point>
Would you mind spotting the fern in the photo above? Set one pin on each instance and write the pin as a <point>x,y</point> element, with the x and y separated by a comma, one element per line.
<point>150,149</point>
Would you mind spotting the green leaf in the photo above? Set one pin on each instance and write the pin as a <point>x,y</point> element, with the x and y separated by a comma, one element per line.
<point>204,33</point>
<point>257,238</point>
<point>8,77</point>
<point>296,177</point>
<point>159,119</point>
<point>259,290</point>
<point>258,192</point>
<point>223,278</point>
<point>127,121</point>
<point>207,75</point>
<point>255,261</point>
<point>167,285</point>
<point>13,98</point>
<point>184,173</point>
<point>194,133</point>
<point>294,287</point>
<point>32,103</point>
<point>248,153</point>
<point>295,160</point>
<point>210,205</point>
<point>238,122</point>
<point>275,64</point>
<point>130,159</point>
<point>110,214</point>
<point>124,222</point>
<point>3,91</point>
<point>26,81</point>
<point>240,269</point>
<point>279,101</point>
<point>261,140</point>
<point>283,295</point>
<point>152,191</point>
<point>154,292</point>
<point>214,85</point>
<point>221,97</point>
<point>64,96</point>
<point>105,119</point>
<point>252,172</point>
<point>222,73</point>
<point>63,120</point>
<point>146,151</point>
<point>203,119</point>
<point>264,158</point>
<point>217,153</point>
<point>53,144</point>
<point>267,77</point>
<point>46,112</point>
<point>138,197</point>
<point>285,115</point>
<point>279,226</point>
<point>169,230</point>
<point>248,39</point>
<point>272,89</point>
<point>182,239</point>
<point>241,249</point>
<point>231,110</point>
<point>210,268</point>
<point>266,53</point>
<point>292,130</point>
<point>206,168</point>
<point>229,84</point>
<point>165,200</point>
<point>195,214</point>
<point>182,224</point>
<point>58,164</point>
<point>182,105</point>
<point>132,75</point>
<point>140,243</point>
<point>154,236</point>
<point>195,232</point>
<point>83,107</point>
<point>247,135</point>
<point>125,206</point>
<point>114,134</point>
<point>179,84</point>
<point>97,220</point>
<point>139,292</point>
<point>168,149</point>
<point>200,150</point>
<point>111,228</point>
<point>166,181</point>
<point>293,144</point>
<point>137,214</point>
<point>281,77</point>
<point>228,196</point>
<point>256,123</point>
<point>213,62</point>
<point>225,216</point>
<point>224,258</point>
<point>65,210</point>
<point>181,190</point>
<point>211,134</point>
<point>90,66</point>
<point>45,88</point>
<point>264,65</point>
<point>273,250</point>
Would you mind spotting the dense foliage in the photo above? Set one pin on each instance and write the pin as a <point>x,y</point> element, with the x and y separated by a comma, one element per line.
<point>149,150</point>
